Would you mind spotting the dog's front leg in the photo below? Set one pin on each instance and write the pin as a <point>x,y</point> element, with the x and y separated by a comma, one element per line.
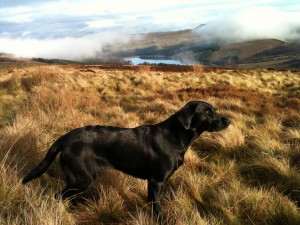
<point>155,190</point>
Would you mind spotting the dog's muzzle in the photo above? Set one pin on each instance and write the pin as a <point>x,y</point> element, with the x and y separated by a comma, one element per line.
<point>226,121</point>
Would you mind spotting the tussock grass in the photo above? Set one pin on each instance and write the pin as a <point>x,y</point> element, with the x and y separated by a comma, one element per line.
<point>247,174</point>
<point>145,68</point>
<point>198,69</point>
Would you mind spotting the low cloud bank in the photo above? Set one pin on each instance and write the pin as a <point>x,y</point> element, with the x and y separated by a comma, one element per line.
<point>72,48</point>
<point>251,24</point>
<point>246,25</point>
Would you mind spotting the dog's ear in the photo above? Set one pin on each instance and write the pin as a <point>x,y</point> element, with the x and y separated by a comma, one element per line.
<point>185,115</point>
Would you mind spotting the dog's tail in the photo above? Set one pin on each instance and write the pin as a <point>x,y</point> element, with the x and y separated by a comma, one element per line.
<point>44,165</point>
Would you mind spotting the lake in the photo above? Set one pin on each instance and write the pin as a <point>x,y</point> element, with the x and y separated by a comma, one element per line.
<point>137,60</point>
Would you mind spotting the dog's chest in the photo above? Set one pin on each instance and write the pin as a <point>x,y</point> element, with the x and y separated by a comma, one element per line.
<point>180,159</point>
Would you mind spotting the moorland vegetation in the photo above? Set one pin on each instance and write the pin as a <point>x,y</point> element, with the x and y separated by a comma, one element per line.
<point>247,174</point>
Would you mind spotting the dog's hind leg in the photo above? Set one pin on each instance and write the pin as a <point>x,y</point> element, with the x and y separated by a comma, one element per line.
<point>76,183</point>
<point>74,189</point>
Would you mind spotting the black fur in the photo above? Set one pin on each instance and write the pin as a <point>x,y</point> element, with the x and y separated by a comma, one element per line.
<point>151,152</point>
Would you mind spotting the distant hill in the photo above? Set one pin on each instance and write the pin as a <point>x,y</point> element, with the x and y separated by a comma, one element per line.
<point>259,53</point>
<point>10,61</point>
<point>8,58</point>
<point>189,47</point>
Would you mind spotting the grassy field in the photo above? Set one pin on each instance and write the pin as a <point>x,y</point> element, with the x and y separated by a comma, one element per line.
<point>247,174</point>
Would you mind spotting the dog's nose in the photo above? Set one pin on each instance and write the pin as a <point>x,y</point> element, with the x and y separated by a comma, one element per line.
<point>226,121</point>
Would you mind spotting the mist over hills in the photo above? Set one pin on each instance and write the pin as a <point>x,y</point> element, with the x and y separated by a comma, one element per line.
<point>241,34</point>
<point>190,46</point>
<point>195,46</point>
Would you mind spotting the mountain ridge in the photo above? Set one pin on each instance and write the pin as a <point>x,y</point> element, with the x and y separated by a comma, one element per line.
<point>190,47</point>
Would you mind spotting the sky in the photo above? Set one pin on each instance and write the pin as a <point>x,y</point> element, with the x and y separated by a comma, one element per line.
<point>80,28</point>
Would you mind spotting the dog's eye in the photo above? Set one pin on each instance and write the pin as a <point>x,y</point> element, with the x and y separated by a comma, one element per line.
<point>208,113</point>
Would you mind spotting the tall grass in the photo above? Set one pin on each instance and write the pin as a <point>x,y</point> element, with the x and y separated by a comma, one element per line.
<point>247,174</point>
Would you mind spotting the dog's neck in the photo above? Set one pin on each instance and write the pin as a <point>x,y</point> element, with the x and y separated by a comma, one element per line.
<point>195,133</point>
<point>183,135</point>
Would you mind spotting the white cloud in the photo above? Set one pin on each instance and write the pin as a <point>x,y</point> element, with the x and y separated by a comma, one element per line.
<point>254,23</point>
<point>100,23</point>
<point>25,33</point>
<point>16,15</point>
<point>79,28</point>
<point>74,48</point>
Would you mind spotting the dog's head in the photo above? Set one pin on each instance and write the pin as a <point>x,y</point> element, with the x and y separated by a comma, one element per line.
<point>201,116</point>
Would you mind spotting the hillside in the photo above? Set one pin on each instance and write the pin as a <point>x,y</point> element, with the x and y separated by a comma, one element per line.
<point>243,51</point>
<point>247,174</point>
<point>10,61</point>
<point>190,47</point>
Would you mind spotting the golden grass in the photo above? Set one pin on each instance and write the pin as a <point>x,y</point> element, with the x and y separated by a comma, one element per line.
<point>247,174</point>
<point>198,69</point>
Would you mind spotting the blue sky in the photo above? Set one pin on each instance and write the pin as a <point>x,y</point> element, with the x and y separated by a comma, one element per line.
<point>51,28</point>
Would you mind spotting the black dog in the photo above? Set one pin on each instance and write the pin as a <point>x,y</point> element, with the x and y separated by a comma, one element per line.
<point>151,152</point>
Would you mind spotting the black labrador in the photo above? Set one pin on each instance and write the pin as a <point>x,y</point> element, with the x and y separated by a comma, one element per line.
<point>151,152</point>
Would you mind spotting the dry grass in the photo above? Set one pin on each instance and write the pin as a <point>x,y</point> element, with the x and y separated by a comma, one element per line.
<point>144,68</point>
<point>198,69</point>
<point>248,174</point>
